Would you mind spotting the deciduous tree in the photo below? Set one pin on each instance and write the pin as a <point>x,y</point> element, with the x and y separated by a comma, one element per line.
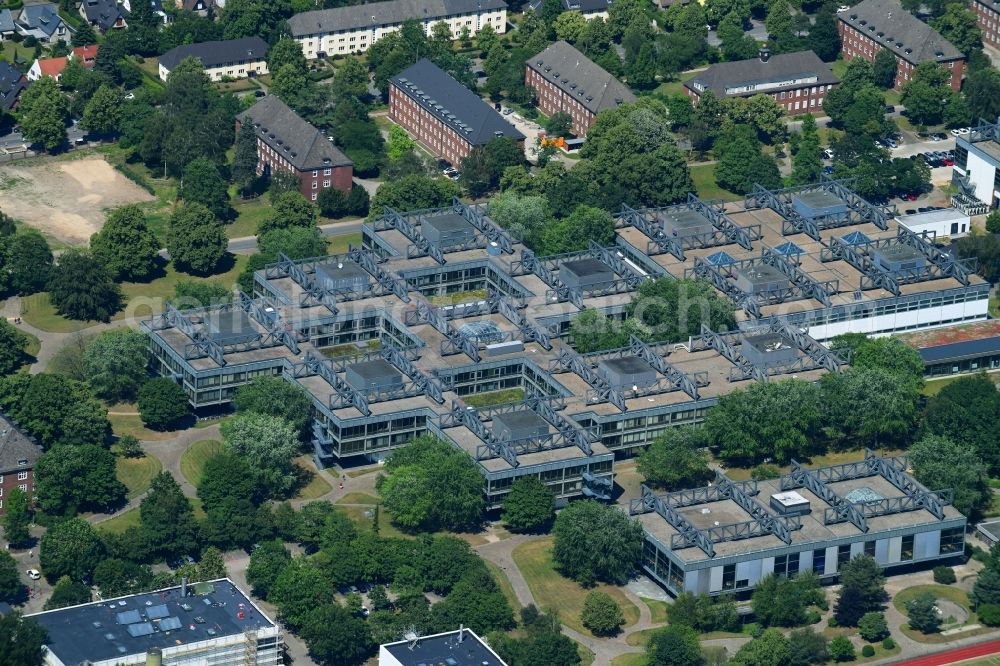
<point>126,245</point>
<point>336,637</point>
<point>938,462</point>
<point>770,649</point>
<point>80,287</point>
<point>68,592</point>
<point>10,580</point>
<point>674,645</point>
<point>601,614</point>
<point>529,506</point>
<point>44,111</point>
<point>922,613</point>
<point>13,346</point>
<point>266,564</point>
<point>17,517</point>
<point>268,443</point>
<point>27,262</point>
<point>103,112</point>
<point>596,542</point>
<point>22,641</point>
<point>56,410</point>
<point>115,363</point>
<point>676,459</point>
<point>70,548</point>
<point>275,397</point>
<point>196,239</point>
<point>168,519</point>
<point>162,403</point>
<point>806,647</point>
<point>862,590</point>
<point>71,479</point>
<point>291,209</point>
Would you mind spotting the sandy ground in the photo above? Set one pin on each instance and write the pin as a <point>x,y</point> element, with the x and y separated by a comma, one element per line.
<point>66,200</point>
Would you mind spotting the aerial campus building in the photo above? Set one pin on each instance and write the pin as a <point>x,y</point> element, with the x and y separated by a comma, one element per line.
<point>727,536</point>
<point>205,623</point>
<point>977,168</point>
<point>440,309</point>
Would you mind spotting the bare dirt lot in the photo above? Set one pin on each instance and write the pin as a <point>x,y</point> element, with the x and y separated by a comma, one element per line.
<point>66,199</point>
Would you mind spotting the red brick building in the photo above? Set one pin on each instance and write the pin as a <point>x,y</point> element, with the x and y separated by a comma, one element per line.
<point>566,80</point>
<point>874,25</point>
<point>18,454</point>
<point>798,82</point>
<point>988,16</point>
<point>288,143</point>
<point>443,115</point>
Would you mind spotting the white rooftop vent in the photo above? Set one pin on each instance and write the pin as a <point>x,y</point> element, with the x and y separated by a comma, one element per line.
<point>789,503</point>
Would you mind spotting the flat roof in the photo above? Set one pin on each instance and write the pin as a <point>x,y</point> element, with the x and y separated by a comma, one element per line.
<point>945,215</point>
<point>686,219</point>
<point>374,369</point>
<point>899,252</point>
<point>768,342</point>
<point>447,222</point>
<point>820,199</point>
<point>521,418</point>
<point>585,267</point>
<point>762,273</point>
<point>344,269</point>
<point>453,648</point>
<point>99,631</point>
<point>627,365</point>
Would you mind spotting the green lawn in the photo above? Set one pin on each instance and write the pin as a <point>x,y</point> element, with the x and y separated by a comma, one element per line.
<point>38,311</point>
<point>137,473</point>
<point>317,486</point>
<point>640,637</point>
<point>340,244</point>
<point>194,458</point>
<point>121,522</point>
<point>657,609</point>
<point>952,594</point>
<point>703,176</point>
<point>249,215</point>
<point>552,590</point>
<point>358,498</point>
<point>670,88</point>
<point>131,424</point>
<point>143,299</point>
<point>492,398</point>
<point>631,659</point>
<point>933,386</point>
<point>505,587</point>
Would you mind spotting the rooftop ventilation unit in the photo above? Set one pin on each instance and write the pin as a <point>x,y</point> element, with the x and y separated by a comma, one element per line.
<point>548,68</point>
<point>403,80</point>
<point>538,62</point>
<point>907,50</point>
<point>938,54</point>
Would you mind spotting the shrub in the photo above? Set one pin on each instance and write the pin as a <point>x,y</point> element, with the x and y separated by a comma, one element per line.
<point>754,629</point>
<point>812,617</point>
<point>868,651</point>
<point>888,643</point>
<point>872,627</point>
<point>765,471</point>
<point>989,614</point>
<point>841,649</point>
<point>944,575</point>
<point>601,614</point>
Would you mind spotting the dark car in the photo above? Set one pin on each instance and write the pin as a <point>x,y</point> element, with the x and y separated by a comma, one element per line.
<point>910,211</point>
<point>923,209</point>
<point>259,93</point>
<point>889,108</point>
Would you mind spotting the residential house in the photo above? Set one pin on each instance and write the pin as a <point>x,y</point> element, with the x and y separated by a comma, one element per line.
<point>798,82</point>
<point>442,114</point>
<point>104,15</point>
<point>874,25</point>
<point>566,80</point>
<point>12,84</point>
<point>200,7</point>
<point>18,454</point>
<point>54,66</point>
<point>353,29</point>
<point>42,21</point>
<point>8,28</point>
<point>288,143</point>
<point>156,5</point>
<point>234,58</point>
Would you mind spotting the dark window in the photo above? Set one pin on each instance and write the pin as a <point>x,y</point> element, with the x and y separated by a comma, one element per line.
<point>870,548</point>
<point>996,179</point>
<point>953,540</point>
<point>906,552</point>
<point>961,157</point>
<point>954,227</point>
<point>843,555</point>
<point>819,560</point>
<point>729,577</point>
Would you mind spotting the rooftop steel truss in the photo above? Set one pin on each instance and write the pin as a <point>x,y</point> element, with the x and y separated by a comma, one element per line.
<point>390,219</point>
<point>492,231</point>
<point>201,346</point>
<point>821,291</point>
<point>859,211</point>
<point>389,283</point>
<point>840,509</point>
<point>856,255</point>
<point>454,342</point>
<point>945,262</point>
<point>687,534</point>
<point>312,294</point>
<point>893,470</point>
<point>344,394</point>
<point>723,343</point>
<point>985,131</point>
<point>529,263</point>
<point>678,378</point>
<point>648,222</point>
<point>613,258</point>
<point>509,309</point>
<point>277,333</point>
<point>721,279</point>
<point>779,526</point>
<point>821,357</point>
<point>569,361</point>
<point>426,384</point>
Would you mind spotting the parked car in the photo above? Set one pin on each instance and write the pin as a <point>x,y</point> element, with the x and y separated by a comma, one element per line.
<point>842,8</point>
<point>891,143</point>
<point>948,161</point>
<point>910,196</point>
<point>259,93</point>
<point>889,108</point>
<point>828,169</point>
<point>923,209</point>
<point>828,154</point>
<point>33,574</point>
<point>937,136</point>
<point>910,211</point>
<point>507,111</point>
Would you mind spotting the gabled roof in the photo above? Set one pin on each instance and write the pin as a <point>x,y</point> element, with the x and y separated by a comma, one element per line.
<point>88,54</point>
<point>576,75</point>
<point>7,21</point>
<point>54,66</point>
<point>12,84</point>
<point>385,13</point>
<point>216,54</point>
<point>789,69</point>
<point>44,17</point>
<point>288,134</point>
<point>896,29</point>
<point>103,13</point>
<point>16,448</point>
<point>455,105</point>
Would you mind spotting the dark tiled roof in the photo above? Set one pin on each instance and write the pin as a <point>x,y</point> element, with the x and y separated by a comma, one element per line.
<point>899,31</point>
<point>960,350</point>
<point>16,447</point>
<point>778,68</point>
<point>11,85</point>
<point>587,82</point>
<point>7,21</point>
<point>385,13</point>
<point>103,13</point>
<point>460,108</point>
<point>300,143</point>
<point>215,54</point>
<point>44,17</point>
<point>990,4</point>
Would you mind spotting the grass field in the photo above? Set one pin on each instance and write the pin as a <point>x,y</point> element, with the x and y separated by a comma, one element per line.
<point>38,311</point>
<point>657,609</point>
<point>146,298</point>
<point>703,176</point>
<point>632,659</point>
<point>825,460</point>
<point>194,458</point>
<point>640,638</point>
<point>131,424</point>
<point>317,486</point>
<point>552,590</point>
<point>249,215</point>
<point>358,498</point>
<point>137,473</point>
<point>340,244</point>
<point>505,587</point>
<point>491,398</point>
<point>952,594</point>
<point>120,523</point>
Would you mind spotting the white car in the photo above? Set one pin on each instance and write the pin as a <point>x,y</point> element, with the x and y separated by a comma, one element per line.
<point>956,131</point>
<point>842,8</point>
<point>33,574</point>
<point>828,154</point>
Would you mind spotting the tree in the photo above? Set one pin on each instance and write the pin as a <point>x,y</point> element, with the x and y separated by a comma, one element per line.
<point>675,459</point>
<point>274,396</point>
<point>44,111</point>
<point>22,641</point>
<point>872,627</point>
<point>966,412</point>
<point>196,240</point>
<point>528,506</point>
<point>81,288</point>
<point>13,346</point>
<point>993,222</point>
<point>244,167</point>
<point>982,93</point>
<point>596,542</point>
<point>117,577</point>
<point>162,403</point>
<point>291,209</point>
<point>674,645</point>
<point>17,518</point>
<point>927,93</point>
<point>103,112</point>
<point>70,548</point>
<point>668,309</point>
<point>782,602</point>
<point>168,519</point>
<point>68,592</point>
<point>432,485</point>
<point>268,443</point>
<point>770,649</point>
<point>884,69</point>
<point>476,600</point>
<point>601,614</point>
<point>334,203</point>
<point>200,294</point>
<point>959,26</point>
<point>10,581</point>
<point>286,52</point>
<point>84,35</point>
<point>413,193</point>
<point>481,169</point>
<point>297,242</point>
<point>115,363</point>
<point>986,249</point>
<point>202,183</point>
<point>560,123</point>
<point>71,479</point>
<point>399,143</point>
<point>760,113</point>
<point>744,165</point>
<point>591,330</point>
<point>777,420</point>
<point>806,647</point>
<point>807,166</point>
<point>56,410</point>
<point>888,415</point>
<point>841,649</point>
<point>824,39</point>
<point>939,462</point>
<point>266,564</point>
<point>335,636</point>
<point>28,262</point>
<point>862,590</point>
<point>126,245</point>
<point>299,588</point>
<point>922,613</point>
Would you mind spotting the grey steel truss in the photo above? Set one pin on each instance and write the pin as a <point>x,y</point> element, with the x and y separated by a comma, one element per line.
<point>390,219</point>
<point>312,294</point>
<point>724,232</point>
<point>654,357</point>
<point>391,284</point>
<point>489,229</point>
<point>424,382</point>
<point>859,211</point>
<point>547,269</point>
<point>856,255</point>
<point>687,534</point>
<point>780,526</point>
<point>344,394</point>
<point>724,344</point>
<point>201,346</point>
<point>277,333</point>
<point>821,291</point>
<point>509,309</point>
<point>612,257</point>
<point>840,509</point>
<point>893,470</point>
<point>529,263</point>
<point>454,342</point>
<point>569,361</point>
<point>720,277</point>
<point>648,222</point>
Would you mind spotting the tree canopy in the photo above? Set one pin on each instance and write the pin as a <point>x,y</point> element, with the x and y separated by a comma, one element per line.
<point>268,443</point>
<point>80,287</point>
<point>125,244</point>
<point>595,542</point>
<point>115,363</point>
<point>676,459</point>
<point>70,548</point>
<point>196,239</point>
<point>529,506</point>
<point>162,403</point>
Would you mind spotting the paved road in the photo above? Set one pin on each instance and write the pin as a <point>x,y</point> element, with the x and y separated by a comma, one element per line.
<point>248,244</point>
